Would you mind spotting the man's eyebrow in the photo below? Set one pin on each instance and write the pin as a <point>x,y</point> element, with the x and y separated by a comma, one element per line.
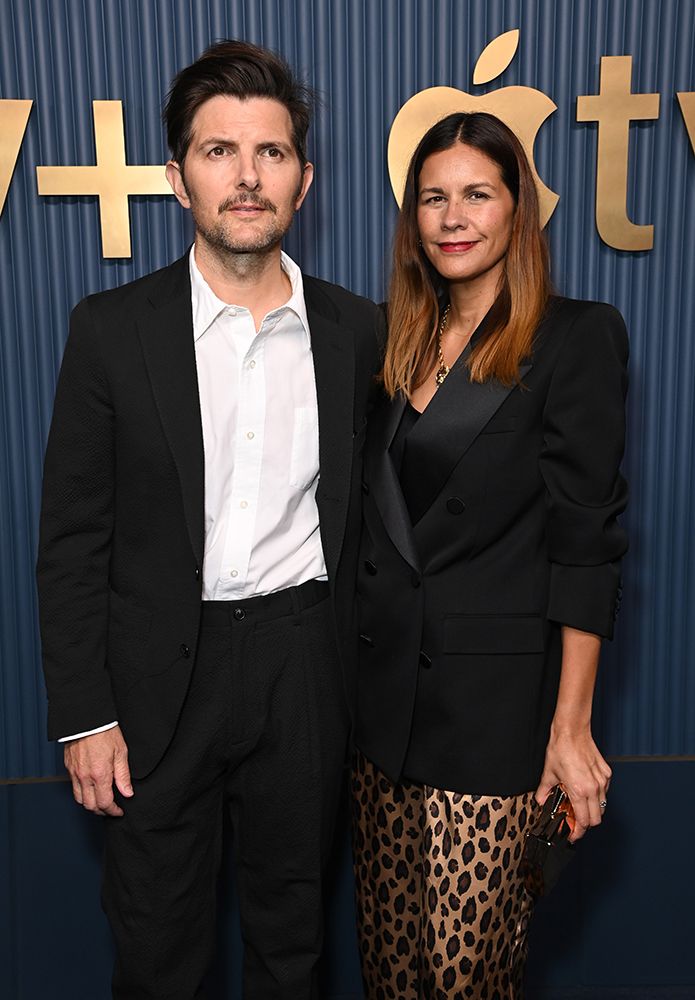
<point>216,140</point>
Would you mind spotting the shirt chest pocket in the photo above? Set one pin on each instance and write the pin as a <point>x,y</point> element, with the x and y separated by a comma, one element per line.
<point>304,463</point>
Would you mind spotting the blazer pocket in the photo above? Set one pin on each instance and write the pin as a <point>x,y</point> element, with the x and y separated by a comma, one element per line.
<point>483,634</point>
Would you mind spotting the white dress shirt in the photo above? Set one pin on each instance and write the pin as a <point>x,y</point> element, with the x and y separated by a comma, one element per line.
<point>260,435</point>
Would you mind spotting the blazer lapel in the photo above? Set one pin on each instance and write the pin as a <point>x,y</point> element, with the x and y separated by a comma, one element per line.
<point>388,495</point>
<point>332,347</point>
<point>166,334</point>
<point>456,415</point>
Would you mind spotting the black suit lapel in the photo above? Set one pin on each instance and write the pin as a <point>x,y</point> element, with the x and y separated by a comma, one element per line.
<point>333,353</point>
<point>456,415</point>
<point>166,334</point>
<point>384,482</point>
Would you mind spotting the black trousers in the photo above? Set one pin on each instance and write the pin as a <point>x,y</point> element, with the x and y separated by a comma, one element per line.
<point>263,735</point>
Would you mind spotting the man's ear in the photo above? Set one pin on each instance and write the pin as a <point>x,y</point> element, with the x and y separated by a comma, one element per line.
<point>307,178</point>
<point>175,178</point>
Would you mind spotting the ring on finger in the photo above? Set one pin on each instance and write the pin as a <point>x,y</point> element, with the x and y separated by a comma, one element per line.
<point>602,804</point>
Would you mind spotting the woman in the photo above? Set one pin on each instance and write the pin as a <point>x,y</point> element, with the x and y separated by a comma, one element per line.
<point>489,570</point>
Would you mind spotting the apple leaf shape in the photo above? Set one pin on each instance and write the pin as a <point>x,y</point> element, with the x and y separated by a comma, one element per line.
<point>496,56</point>
<point>687,103</point>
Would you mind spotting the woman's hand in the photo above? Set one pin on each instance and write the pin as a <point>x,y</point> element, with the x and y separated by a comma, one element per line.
<point>571,757</point>
<point>573,760</point>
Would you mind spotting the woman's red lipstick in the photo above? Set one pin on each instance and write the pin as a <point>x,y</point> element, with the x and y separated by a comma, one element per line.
<point>461,247</point>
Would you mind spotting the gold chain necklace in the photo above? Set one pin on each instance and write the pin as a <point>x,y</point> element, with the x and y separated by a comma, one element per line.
<point>443,369</point>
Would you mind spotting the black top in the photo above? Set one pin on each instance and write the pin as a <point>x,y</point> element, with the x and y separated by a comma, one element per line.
<point>399,445</point>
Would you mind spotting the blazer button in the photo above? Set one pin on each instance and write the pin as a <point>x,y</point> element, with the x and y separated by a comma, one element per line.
<point>415,580</point>
<point>425,660</point>
<point>365,488</point>
<point>239,614</point>
<point>455,505</point>
<point>367,640</point>
<point>370,567</point>
<point>184,650</point>
<point>197,573</point>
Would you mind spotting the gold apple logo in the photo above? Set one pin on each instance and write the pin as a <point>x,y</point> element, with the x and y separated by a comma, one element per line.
<point>521,108</point>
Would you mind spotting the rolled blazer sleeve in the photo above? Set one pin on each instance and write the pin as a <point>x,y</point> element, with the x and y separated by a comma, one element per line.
<point>583,442</point>
<point>75,538</point>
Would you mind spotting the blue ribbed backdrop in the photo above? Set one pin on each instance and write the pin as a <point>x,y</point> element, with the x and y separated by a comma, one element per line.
<point>366,58</point>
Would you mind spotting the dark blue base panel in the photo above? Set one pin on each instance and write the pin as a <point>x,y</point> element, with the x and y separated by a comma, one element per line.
<point>620,926</point>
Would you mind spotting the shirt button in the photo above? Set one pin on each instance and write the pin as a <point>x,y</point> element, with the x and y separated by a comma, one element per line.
<point>250,435</point>
<point>234,573</point>
<point>252,364</point>
<point>239,614</point>
<point>243,504</point>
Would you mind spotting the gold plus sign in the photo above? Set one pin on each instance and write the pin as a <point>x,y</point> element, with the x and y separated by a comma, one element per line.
<point>112,179</point>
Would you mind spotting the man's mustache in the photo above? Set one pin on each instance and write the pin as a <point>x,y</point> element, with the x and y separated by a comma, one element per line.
<point>247,199</point>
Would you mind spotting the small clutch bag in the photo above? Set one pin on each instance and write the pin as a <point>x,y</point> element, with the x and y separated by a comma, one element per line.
<point>547,850</point>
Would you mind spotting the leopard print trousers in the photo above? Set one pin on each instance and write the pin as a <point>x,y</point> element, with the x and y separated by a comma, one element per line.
<point>441,908</point>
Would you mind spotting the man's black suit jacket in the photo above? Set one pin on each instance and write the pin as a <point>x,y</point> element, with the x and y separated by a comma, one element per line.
<point>122,523</point>
<point>509,532</point>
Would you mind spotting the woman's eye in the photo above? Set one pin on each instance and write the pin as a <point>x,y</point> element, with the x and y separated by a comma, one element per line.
<point>479,196</point>
<point>434,199</point>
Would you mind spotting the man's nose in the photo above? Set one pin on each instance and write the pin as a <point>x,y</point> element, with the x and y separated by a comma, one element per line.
<point>247,172</point>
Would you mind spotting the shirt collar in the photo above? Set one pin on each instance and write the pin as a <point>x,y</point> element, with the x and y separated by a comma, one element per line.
<point>207,306</point>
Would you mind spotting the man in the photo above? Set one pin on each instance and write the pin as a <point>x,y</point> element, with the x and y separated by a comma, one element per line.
<point>198,549</point>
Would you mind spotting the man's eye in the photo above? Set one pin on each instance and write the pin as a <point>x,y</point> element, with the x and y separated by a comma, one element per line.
<point>273,152</point>
<point>217,151</point>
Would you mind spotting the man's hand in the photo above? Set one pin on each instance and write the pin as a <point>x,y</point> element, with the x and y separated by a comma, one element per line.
<point>95,763</point>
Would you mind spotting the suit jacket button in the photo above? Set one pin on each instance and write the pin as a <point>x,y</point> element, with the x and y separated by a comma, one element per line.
<point>239,614</point>
<point>367,640</point>
<point>370,567</point>
<point>184,650</point>
<point>455,505</point>
<point>415,580</point>
<point>365,488</point>
<point>425,660</point>
<point>197,573</point>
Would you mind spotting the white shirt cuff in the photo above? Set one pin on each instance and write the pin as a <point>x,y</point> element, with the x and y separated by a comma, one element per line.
<point>90,732</point>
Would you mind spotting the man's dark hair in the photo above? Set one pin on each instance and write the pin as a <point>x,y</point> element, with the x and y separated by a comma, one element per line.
<point>233,68</point>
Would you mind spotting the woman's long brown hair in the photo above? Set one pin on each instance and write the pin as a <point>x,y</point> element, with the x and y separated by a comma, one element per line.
<point>418,294</point>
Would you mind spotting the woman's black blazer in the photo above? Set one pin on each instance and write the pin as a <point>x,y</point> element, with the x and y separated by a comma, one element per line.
<point>510,532</point>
